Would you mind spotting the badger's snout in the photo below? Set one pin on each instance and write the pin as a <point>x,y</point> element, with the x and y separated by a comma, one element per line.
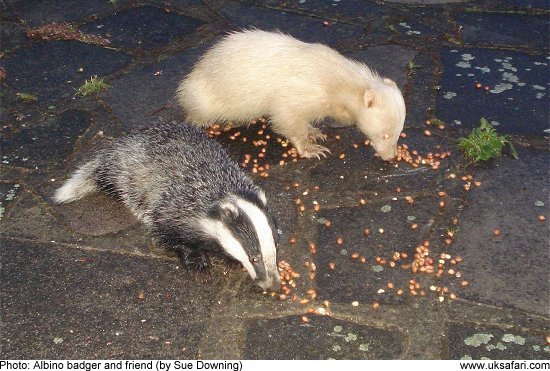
<point>386,153</point>
<point>388,156</point>
<point>271,283</point>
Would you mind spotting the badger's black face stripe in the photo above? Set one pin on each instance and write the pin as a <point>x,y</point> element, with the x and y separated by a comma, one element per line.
<point>242,229</point>
<point>252,196</point>
<point>274,226</point>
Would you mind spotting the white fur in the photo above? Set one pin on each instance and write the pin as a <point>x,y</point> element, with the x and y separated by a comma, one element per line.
<point>230,245</point>
<point>265,236</point>
<point>254,73</point>
<point>79,184</point>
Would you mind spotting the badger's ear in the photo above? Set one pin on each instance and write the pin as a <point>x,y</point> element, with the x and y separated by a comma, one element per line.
<point>224,210</point>
<point>368,98</point>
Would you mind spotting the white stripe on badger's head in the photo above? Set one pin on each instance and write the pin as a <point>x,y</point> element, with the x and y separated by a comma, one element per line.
<point>245,233</point>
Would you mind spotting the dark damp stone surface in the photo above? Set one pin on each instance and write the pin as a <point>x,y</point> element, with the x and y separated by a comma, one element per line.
<point>148,91</point>
<point>12,35</point>
<point>352,280</point>
<point>508,269</point>
<point>388,60</point>
<point>360,170</point>
<point>470,341</point>
<point>415,29</point>
<point>355,10</point>
<point>525,4</point>
<point>8,193</point>
<point>143,27</point>
<point>37,12</point>
<point>51,70</point>
<point>305,28</point>
<point>117,306</point>
<point>46,143</point>
<point>508,29</point>
<point>322,338</point>
<point>517,101</point>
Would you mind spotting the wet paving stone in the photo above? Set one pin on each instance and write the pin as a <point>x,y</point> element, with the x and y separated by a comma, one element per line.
<point>37,13</point>
<point>147,92</point>
<point>26,147</point>
<point>117,306</point>
<point>351,10</point>
<point>51,70</point>
<point>418,93</point>
<point>8,192</point>
<point>504,29</point>
<point>506,270</point>
<point>388,60</point>
<point>305,28</point>
<point>97,215</point>
<point>361,171</point>
<point>143,27</point>
<point>103,224</point>
<point>516,101</point>
<point>527,4</point>
<point>389,231</point>
<point>485,342</point>
<point>12,35</point>
<point>321,338</point>
<point>415,29</point>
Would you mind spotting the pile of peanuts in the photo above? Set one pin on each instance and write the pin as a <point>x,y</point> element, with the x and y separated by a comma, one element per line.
<point>261,142</point>
<point>288,283</point>
<point>414,159</point>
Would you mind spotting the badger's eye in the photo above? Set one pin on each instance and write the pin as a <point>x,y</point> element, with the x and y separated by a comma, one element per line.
<point>253,259</point>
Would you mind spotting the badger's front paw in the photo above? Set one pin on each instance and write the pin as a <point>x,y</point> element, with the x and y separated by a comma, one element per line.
<point>194,261</point>
<point>315,134</point>
<point>313,150</point>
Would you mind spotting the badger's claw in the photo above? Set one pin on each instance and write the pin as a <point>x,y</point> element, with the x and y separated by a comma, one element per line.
<point>315,134</point>
<point>314,150</point>
<point>195,261</point>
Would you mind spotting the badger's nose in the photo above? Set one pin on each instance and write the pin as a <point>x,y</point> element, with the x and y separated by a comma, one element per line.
<point>390,156</point>
<point>273,284</point>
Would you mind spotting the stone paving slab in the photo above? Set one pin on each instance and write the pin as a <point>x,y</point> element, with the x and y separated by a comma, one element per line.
<point>8,192</point>
<point>118,306</point>
<point>485,342</point>
<point>509,268</point>
<point>320,338</point>
<point>504,29</point>
<point>143,27</point>
<point>25,148</point>
<point>51,71</point>
<point>303,27</point>
<point>516,82</point>
<point>37,13</point>
<point>389,224</point>
<point>147,91</point>
<point>355,11</point>
<point>93,265</point>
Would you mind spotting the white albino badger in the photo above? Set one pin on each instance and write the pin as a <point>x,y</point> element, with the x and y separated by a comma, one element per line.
<point>195,199</point>
<point>254,73</point>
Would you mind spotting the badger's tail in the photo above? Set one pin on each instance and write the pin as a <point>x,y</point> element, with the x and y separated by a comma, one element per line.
<point>80,184</point>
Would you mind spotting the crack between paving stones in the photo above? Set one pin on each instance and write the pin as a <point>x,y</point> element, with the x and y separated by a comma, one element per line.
<point>86,248</point>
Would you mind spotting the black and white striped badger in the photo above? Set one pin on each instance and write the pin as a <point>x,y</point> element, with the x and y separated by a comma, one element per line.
<point>195,199</point>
